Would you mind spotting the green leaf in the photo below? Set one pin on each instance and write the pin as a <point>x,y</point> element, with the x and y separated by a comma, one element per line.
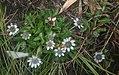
<point>18,46</point>
<point>90,42</point>
<point>39,50</point>
<point>23,45</point>
<point>26,28</point>
<point>17,39</point>
<point>105,51</point>
<point>48,52</point>
<point>89,15</point>
<point>1,12</point>
<point>88,65</point>
<point>71,55</point>
<point>83,29</point>
<point>42,38</point>
<point>55,12</point>
<point>101,29</point>
<point>86,24</point>
<point>105,20</point>
<point>106,3</point>
<point>99,66</point>
<point>107,64</point>
<point>33,44</point>
<point>37,38</point>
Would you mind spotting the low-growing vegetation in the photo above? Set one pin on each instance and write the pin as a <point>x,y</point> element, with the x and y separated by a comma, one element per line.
<point>59,37</point>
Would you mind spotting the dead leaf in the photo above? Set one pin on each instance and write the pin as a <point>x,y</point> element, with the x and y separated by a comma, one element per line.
<point>92,6</point>
<point>85,2</point>
<point>80,8</point>
<point>67,4</point>
<point>118,73</point>
<point>103,0</point>
<point>16,55</point>
<point>117,31</point>
<point>99,25</point>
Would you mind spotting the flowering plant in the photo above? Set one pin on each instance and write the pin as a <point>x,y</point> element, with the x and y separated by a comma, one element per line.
<point>52,43</point>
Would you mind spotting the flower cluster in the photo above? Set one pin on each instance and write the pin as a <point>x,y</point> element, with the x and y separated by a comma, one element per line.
<point>78,23</point>
<point>68,45</point>
<point>59,52</point>
<point>34,61</point>
<point>99,57</point>
<point>51,20</point>
<point>12,29</point>
<point>26,35</point>
<point>50,44</point>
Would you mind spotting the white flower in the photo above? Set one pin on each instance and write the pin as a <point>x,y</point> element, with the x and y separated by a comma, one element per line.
<point>34,61</point>
<point>50,44</point>
<point>78,23</point>
<point>98,57</point>
<point>51,21</point>
<point>68,44</point>
<point>12,29</point>
<point>26,35</point>
<point>59,52</point>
